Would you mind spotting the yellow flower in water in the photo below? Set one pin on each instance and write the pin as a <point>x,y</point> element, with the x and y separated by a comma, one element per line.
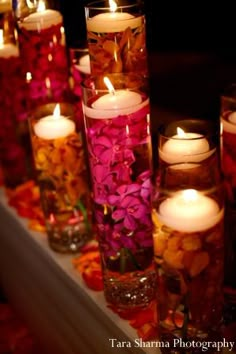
<point>58,142</point>
<point>41,159</point>
<point>55,157</point>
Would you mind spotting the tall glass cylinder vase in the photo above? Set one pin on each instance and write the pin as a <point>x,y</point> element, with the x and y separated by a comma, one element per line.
<point>79,70</point>
<point>15,150</point>
<point>192,146</point>
<point>117,127</point>
<point>43,50</point>
<point>188,216</point>
<point>62,176</point>
<point>116,36</point>
<point>228,121</point>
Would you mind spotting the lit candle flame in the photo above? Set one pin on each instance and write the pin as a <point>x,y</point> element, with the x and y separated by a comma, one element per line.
<point>181,133</point>
<point>190,195</point>
<point>221,128</point>
<point>41,6</point>
<point>109,85</point>
<point>113,5</point>
<point>28,76</point>
<point>57,112</point>
<point>30,4</point>
<point>48,83</point>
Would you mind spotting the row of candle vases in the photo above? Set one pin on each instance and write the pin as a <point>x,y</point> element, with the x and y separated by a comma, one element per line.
<point>160,234</point>
<point>59,168</point>
<point>161,240</point>
<point>36,74</point>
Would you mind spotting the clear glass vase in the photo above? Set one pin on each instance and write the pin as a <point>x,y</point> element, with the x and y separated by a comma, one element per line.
<point>116,37</point>
<point>228,146</point>
<point>15,150</point>
<point>189,241</point>
<point>62,176</point>
<point>43,50</point>
<point>117,128</point>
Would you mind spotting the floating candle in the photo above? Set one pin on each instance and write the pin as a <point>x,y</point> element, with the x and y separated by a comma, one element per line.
<point>41,19</point>
<point>119,100</point>
<point>229,124</point>
<point>84,65</point>
<point>115,103</point>
<point>110,22</point>
<point>5,6</point>
<point>54,126</point>
<point>189,211</point>
<point>7,49</point>
<point>185,147</point>
<point>232,118</point>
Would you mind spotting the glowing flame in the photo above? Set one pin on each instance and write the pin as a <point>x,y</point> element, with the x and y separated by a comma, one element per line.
<point>48,84</point>
<point>221,128</point>
<point>1,37</point>
<point>109,85</point>
<point>28,76</point>
<point>181,133</point>
<point>113,5</point>
<point>190,195</point>
<point>41,6</point>
<point>57,111</point>
<point>29,4</point>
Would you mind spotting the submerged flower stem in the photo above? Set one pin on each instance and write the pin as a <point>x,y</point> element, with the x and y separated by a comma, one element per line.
<point>124,254</point>
<point>184,327</point>
<point>122,260</point>
<point>133,259</point>
<point>83,210</point>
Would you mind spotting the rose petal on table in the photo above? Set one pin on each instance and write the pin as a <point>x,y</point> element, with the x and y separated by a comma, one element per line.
<point>93,279</point>
<point>148,331</point>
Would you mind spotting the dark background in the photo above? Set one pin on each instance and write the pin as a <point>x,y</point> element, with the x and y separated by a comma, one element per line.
<point>171,25</point>
<point>191,53</point>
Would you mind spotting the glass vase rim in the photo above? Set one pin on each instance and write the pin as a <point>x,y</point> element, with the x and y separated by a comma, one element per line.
<point>48,108</point>
<point>229,92</point>
<point>203,127</point>
<point>89,83</point>
<point>94,5</point>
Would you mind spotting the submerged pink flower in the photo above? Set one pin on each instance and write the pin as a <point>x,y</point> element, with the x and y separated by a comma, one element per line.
<point>130,211</point>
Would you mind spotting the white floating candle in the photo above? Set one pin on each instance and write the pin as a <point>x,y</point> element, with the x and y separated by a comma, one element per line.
<point>119,100</point>
<point>7,49</point>
<point>189,211</point>
<point>5,5</point>
<point>54,126</point>
<point>84,65</point>
<point>229,125</point>
<point>232,118</point>
<point>185,147</point>
<point>107,112</point>
<point>110,22</point>
<point>41,20</point>
<point>115,103</point>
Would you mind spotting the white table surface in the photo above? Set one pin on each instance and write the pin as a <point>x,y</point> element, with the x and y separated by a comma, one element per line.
<point>66,316</point>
